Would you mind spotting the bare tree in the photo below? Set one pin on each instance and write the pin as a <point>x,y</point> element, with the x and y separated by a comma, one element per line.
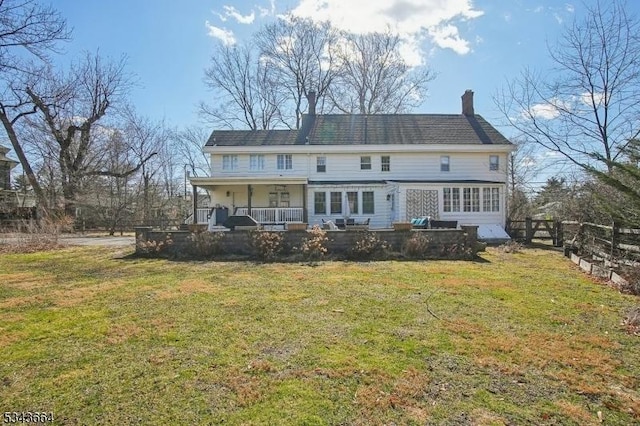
<point>522,169</point>
<point>373,77</point>
<point>72,109</point>
<point>587,107</point>
<point>188,144</point>
<point>147,140</point>
<point>301,53</point>
<point>28,31</point>
<point>245,92</point>
<point>28,27</point>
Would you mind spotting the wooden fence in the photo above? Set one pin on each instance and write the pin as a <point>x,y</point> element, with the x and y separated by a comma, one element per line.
<point>528,229</point>
<point>607,242</point>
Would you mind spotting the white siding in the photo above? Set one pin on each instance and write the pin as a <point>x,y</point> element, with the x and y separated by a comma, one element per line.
<point>413,167</point>
<point>346,166</point>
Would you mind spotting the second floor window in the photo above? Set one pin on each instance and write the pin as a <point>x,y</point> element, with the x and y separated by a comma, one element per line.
<point>494,162</point>
<point>365,163</point>
<point>321,164</point>
<point>386,163</point>
<point>285,162</point>
<point>229,162</point>
<point>444,163</point>
<point>256,162</point>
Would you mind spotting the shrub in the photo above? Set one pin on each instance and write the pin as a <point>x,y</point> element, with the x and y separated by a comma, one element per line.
<point>632,276</point>
<point>457,251</point>
<point>154,247</point>
<point>206,244</point>
<point>511,246</point>
<point>632,321</point>
<point>314,246</point>
<point>266,245</point>
<point>32,236</point>
<point>417,247</point>
<point>369,246</point>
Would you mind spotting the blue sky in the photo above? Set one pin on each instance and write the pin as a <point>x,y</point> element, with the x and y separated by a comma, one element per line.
<point>470,44</point>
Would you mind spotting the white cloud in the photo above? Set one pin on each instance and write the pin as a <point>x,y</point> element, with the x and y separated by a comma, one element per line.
<point>413,20</point>
<point>570,8</point>
<point>448,37</point>
<point>587,98</point>
<point>268,12</point>
<point>222,34</point>
<point>558,18</point>
<point>232,12</point>
<point>544,111</point>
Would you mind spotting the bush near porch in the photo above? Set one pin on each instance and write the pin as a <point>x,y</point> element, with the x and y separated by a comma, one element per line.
<point>353,245</point>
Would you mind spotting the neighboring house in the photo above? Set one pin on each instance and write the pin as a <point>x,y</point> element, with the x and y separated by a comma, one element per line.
<point>8,197</point>
<point>386,168</point>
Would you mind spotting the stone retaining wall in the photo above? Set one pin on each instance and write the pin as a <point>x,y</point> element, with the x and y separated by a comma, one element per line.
<point>339,243</point>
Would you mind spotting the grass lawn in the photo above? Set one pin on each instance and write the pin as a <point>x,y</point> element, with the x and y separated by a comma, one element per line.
<point>525,338</point>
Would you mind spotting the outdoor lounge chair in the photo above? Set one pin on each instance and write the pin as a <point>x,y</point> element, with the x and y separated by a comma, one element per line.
<point>420,222</point>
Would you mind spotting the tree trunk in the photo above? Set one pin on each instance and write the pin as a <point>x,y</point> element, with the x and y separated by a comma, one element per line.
<point>26,166</point>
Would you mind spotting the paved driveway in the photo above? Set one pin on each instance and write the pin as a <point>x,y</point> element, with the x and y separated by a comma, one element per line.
<point>114,241</point>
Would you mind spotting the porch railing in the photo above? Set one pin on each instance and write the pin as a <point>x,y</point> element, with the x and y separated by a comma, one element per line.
<point>274,214</point>
<point>203,216</point>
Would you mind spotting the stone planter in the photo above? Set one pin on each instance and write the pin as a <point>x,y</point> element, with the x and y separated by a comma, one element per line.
<point>197,228</point>
<point>296,226</point>
<point>402,226</point>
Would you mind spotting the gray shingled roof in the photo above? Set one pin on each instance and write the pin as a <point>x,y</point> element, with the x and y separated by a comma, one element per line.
<point>382,129</point>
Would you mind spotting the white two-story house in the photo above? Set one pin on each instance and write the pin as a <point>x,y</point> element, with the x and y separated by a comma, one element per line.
<point>385,168</point>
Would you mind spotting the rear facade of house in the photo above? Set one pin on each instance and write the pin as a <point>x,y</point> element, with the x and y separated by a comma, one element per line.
<point>380,168</point>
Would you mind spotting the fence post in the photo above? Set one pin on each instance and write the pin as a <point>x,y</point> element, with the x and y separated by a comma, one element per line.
<point>615,238</point>
<point>528,230</point>
<point>558,237</point>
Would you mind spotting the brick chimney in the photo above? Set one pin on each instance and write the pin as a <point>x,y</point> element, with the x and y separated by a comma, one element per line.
<point>311,97</point>
<point>467,103</point>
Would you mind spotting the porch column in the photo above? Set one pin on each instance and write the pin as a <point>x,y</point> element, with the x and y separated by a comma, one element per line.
<point>195,204</point>
<point>305,214</point>
<point>249,194</point>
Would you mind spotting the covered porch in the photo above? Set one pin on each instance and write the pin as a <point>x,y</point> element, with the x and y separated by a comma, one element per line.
<point>269,200</point>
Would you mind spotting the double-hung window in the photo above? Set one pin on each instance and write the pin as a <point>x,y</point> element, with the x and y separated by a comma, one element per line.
<point>494,162</point>
<point>444,163</point>
<point>490,199</point>
<point>336,202</point>
<point>256,162</point>
<point>321,164</point>
<point>368,204</point>
<point>352,198</point>
<point>471,199</point>
<point>284,162</point>
<point>385,162</point>
<point>365,162</point>
<point>229,162</point>
<point>320,203</point>
<point>451,198</point>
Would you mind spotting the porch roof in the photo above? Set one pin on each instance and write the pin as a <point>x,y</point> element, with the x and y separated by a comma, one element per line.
<point>212,182</point>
